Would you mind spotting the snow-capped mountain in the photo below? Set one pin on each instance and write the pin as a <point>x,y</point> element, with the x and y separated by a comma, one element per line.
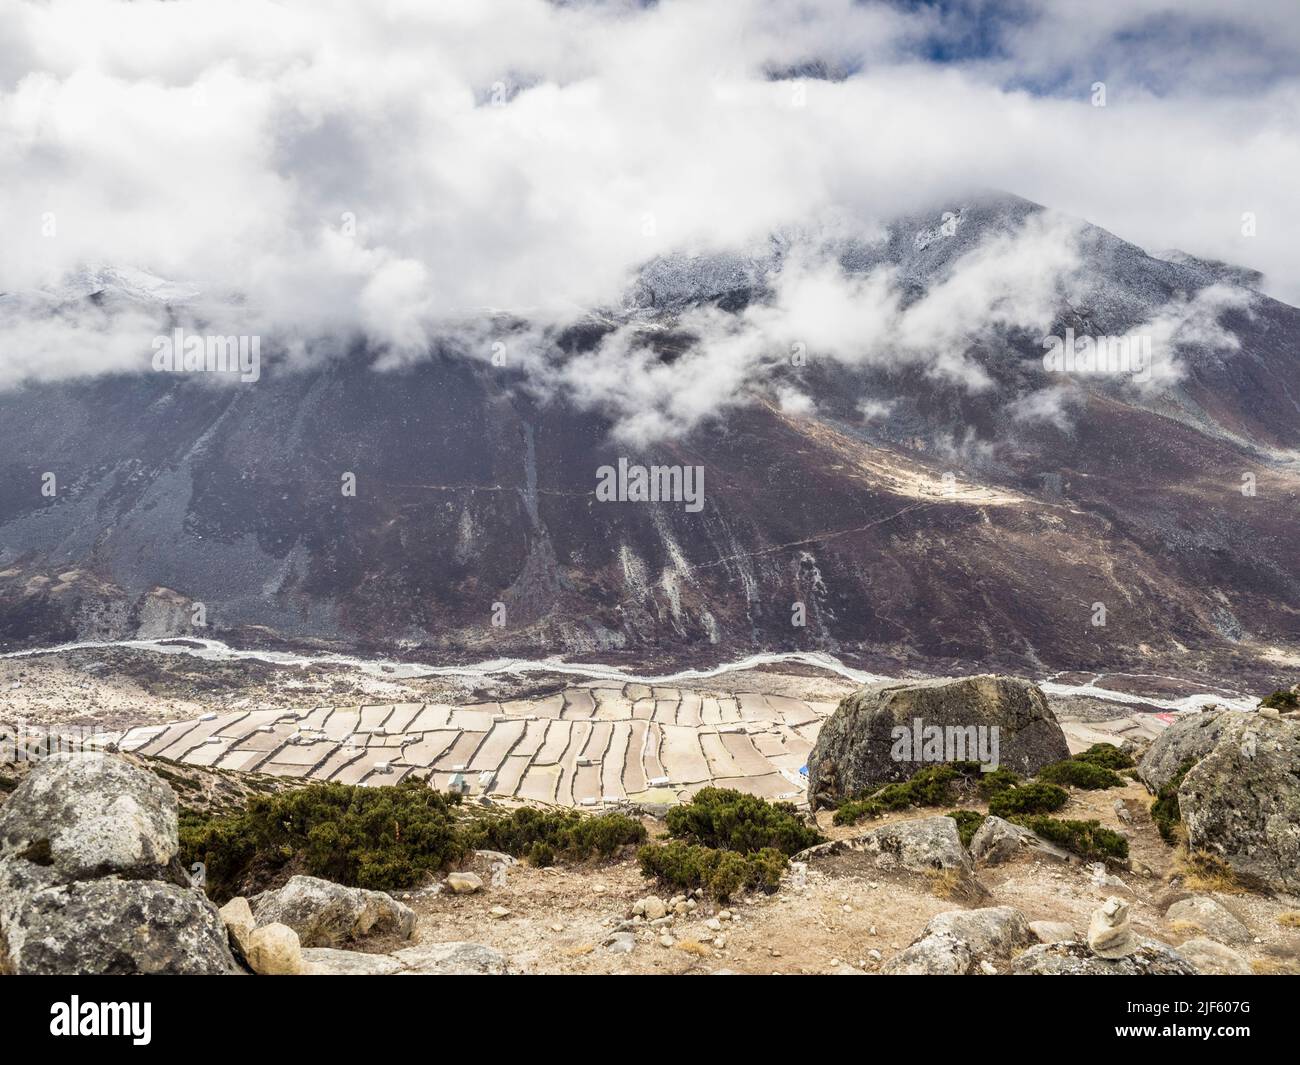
<point>952,525</point>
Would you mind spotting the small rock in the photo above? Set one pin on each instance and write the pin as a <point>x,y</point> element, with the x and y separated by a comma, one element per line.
<point>1052,931</point>
<point>1210,916</point>
<point>1109,934</point>
<point>274,950</point>
<point>1214,959</point>
<point>499,913</point>
<point>621,943</point>
<point>237,916</point>
<point>464,883</point>
<point>653,907</point>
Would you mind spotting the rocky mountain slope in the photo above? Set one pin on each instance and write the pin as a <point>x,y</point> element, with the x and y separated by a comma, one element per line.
<point>946,528</point>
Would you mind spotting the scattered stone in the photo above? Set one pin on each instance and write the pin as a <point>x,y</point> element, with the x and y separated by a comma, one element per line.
<point>653,907</point>
<point>988,968</point>
<point>274,950</point>
<point>621,943</point>
<point>498,913</point>
<point>666,940</point>
<point>464,883</point>
<point>1109,934</point>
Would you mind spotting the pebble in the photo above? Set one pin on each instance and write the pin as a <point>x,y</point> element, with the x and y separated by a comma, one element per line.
<point>499,912</point>
<point>666,940</point>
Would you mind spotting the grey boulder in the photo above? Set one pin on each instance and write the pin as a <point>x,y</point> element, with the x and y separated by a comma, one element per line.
<point>1075,959</point>
<point>89,815</point>
<point>107,927</point>
<point>856,749</point>
<point>918,845</point>
<point>452,959</point>
<point>1241,801</point>
<point>1190,737</point>
<point>325,914</point>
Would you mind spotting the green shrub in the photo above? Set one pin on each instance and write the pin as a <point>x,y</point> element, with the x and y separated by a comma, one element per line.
<point>968,823</point>
<point>540,855</point>
<point>1282,700</point>
<point>381,838</point>
<point>1088,839</point>
<point>1165,811</point>
<point>1106,755</point>
<point>935,785</point>
<point>1078,774</point>
<point>566,833</point>
<point>731,820</point>
<point>722,873</point>
<point>998,780</point>
<point>1032,797</point>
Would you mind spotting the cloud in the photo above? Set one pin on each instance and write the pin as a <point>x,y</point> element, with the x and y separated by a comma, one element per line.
<point>382,170</point>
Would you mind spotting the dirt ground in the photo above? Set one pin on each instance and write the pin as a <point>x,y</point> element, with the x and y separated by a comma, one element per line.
<point>825,921</point>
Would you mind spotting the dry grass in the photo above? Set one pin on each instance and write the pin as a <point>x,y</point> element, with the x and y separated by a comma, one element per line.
<point>1186,929</point>
<point>947,883</point>
<point>690,946</point>
<point>1275,967</point>
<point>1290,919</point>
<point>1202,871</point>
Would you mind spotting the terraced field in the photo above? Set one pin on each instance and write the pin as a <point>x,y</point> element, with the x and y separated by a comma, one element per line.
<point>588,745</point>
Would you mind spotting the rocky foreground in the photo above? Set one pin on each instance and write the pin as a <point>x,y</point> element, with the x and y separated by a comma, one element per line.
<point>91,882</point>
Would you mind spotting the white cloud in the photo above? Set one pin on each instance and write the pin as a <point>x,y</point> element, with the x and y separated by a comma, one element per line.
<point>227,145</point>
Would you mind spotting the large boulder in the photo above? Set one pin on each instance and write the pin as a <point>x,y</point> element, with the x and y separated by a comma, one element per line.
<point>990,932</point>
<point>1075,959</point>
<point>998,840</point>
<point>937,955</point>
<point>325,914</point>
<point>919,845</point>
<point>1189,738</point>
<point>89,882</point>
<point>274,950</point>
<point>452,959</point>
<point>328,961</point>
<point>1212,958</point>
<point>1242,800</point>
<point>106,926</point>
<point>1211,917</point>
<point>88,815</point>
<point>859,750</point>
